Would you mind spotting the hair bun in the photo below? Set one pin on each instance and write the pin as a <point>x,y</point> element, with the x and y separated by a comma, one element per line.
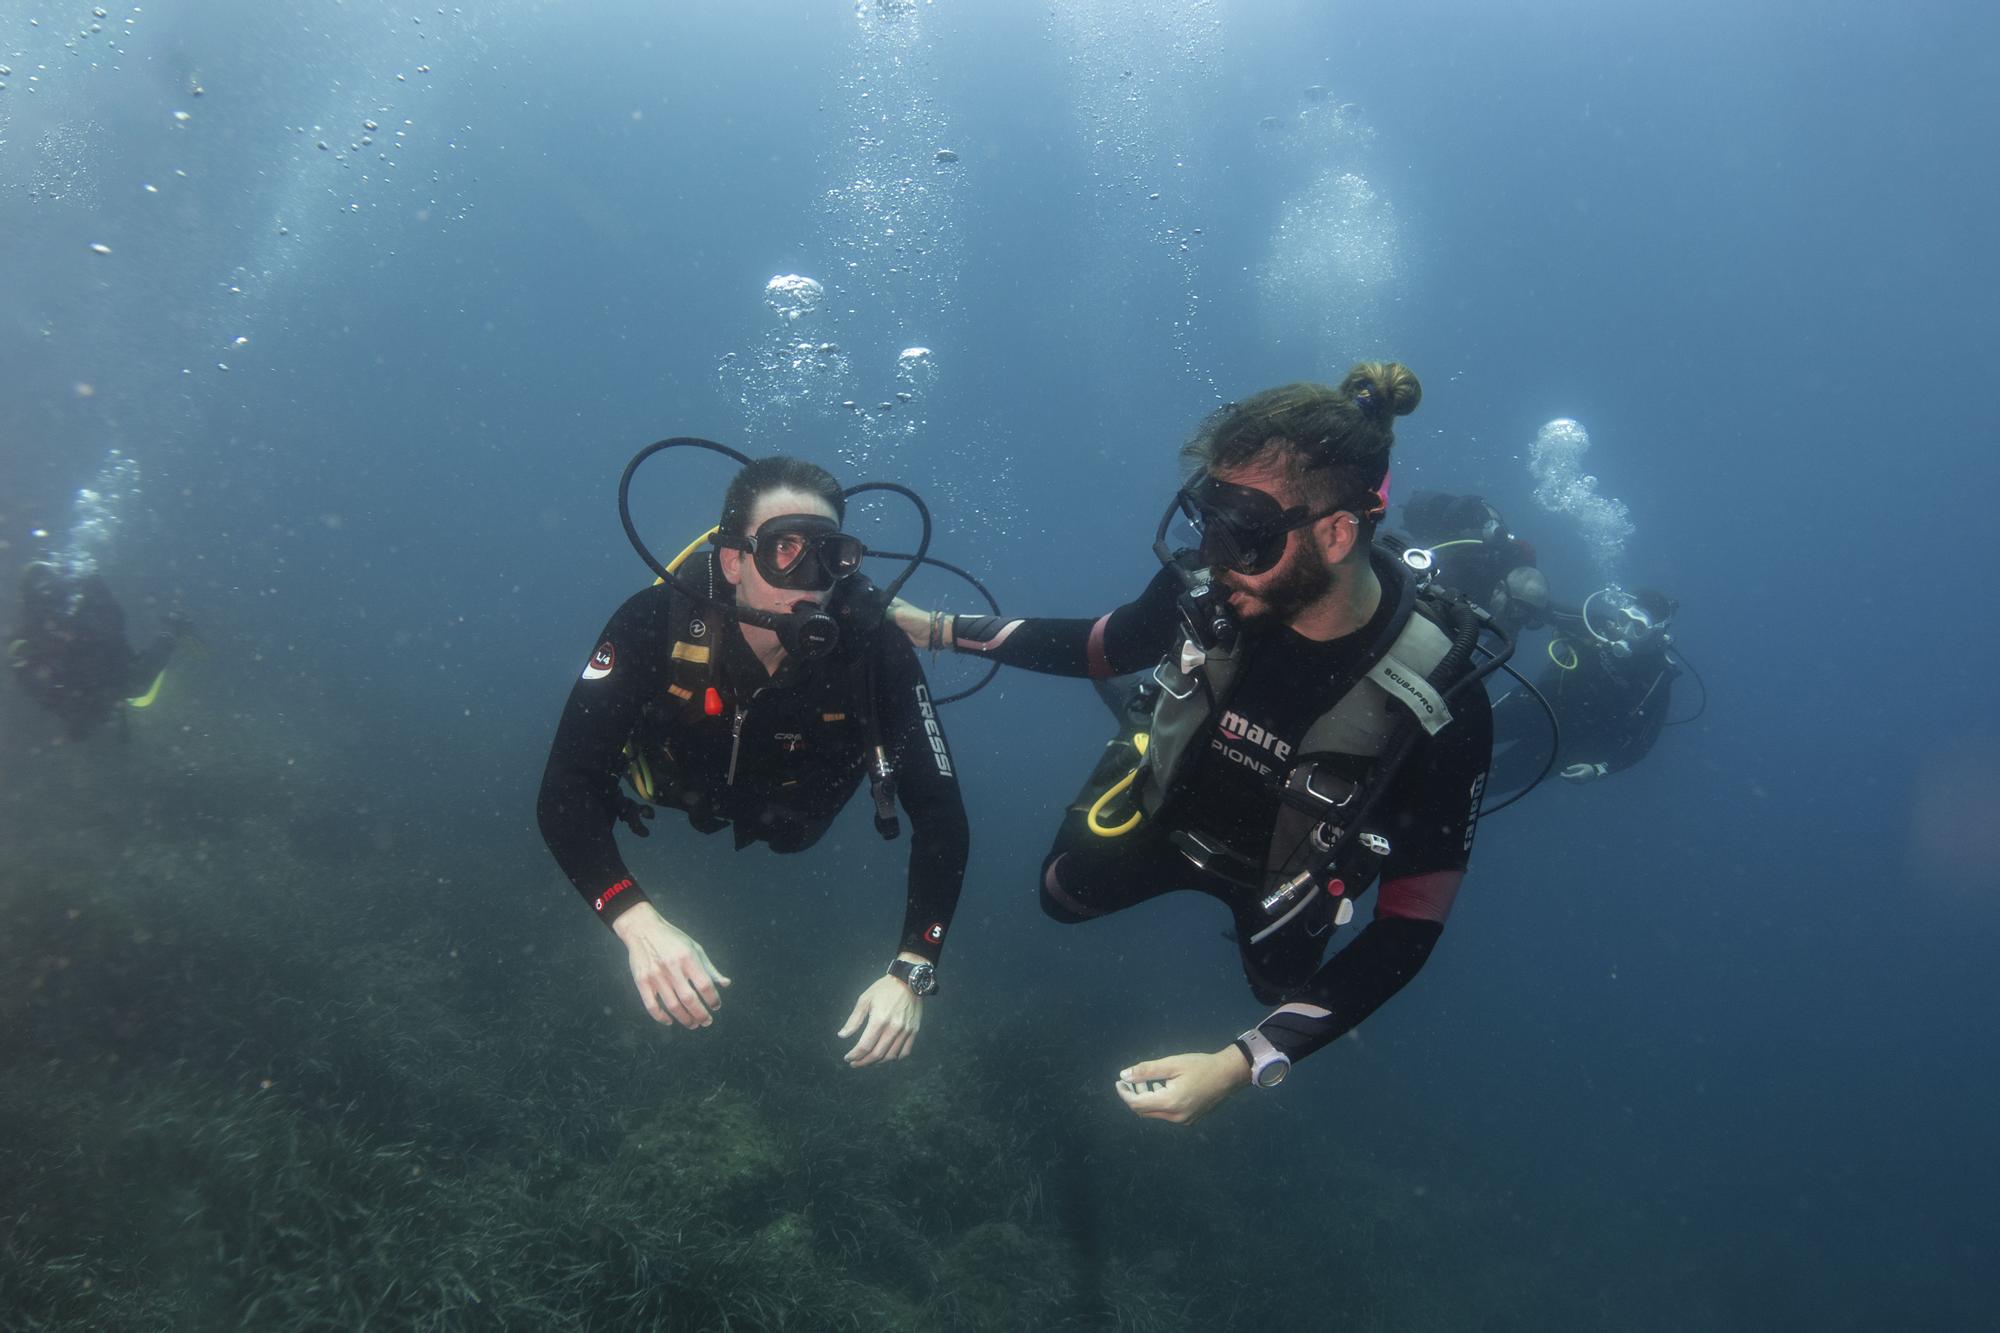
<point>1383,389</point>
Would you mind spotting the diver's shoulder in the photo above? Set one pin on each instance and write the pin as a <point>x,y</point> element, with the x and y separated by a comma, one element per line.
<point>648,608</point>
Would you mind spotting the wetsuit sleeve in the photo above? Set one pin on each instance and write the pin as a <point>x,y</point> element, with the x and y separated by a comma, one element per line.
<point>580,799</point>
<point>1437,804</point>
<point>1436,799</point>
<point>927,784</point>
<point>1130,638</point>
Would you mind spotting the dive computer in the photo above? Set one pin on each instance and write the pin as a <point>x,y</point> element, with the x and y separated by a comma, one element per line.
<point>1268,1064</point>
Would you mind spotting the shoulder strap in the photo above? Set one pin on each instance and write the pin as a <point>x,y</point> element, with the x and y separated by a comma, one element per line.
<point>1193,687</point>
<point>692,641</point>
<point>1378,718</point>
<point>1362,720</point>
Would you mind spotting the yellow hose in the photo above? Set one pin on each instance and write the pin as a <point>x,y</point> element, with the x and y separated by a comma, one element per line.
<point>1570,665</point>
<point>1090,818</point>
<point>674,565</point>
<point>640,775</point>
<point>146,700</point>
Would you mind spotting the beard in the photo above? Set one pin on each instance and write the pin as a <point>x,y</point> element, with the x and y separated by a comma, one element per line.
<point>1299,580</point>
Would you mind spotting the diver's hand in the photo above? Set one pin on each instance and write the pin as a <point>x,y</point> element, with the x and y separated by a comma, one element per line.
<point>887,1015</point>
<point>1183,1088</point>
<point>914,621</point>
<point>675,979</point>
<point>635,816</point>
<point>1583,772</point>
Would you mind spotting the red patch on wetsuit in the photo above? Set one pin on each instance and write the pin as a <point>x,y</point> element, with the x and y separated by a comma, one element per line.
<point>612,892</point>
<point>600,663</point>
<point>711,703</point>
<point>1420,897</point>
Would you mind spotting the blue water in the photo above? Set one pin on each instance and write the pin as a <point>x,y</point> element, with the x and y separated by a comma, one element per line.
<point>1709,1043</point>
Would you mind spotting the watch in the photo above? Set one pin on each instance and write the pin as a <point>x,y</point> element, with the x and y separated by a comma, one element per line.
<point>1268,1064</point>
<point>921,978</point>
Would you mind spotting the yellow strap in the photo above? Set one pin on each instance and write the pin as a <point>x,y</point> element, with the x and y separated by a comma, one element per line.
<point>1090,819</point>
<point>146,700</point>
<point>674,565</point>
<point>1570,665</point>
<point>690,652</point>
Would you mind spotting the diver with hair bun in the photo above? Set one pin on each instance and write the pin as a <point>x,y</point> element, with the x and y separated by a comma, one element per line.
<point>1313,722</point>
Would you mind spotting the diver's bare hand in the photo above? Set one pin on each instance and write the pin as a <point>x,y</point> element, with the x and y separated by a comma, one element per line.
<point>1183,1088</point>
<point>887,1016</point>
<point>914,621</point>
<point>675,979</point>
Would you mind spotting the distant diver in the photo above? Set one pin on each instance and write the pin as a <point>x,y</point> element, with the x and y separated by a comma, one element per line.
<point>70,654</point>
<point>1477,557</point>
<point>1314,721</point>
<point>1610,680</point>
<point>752,689</point>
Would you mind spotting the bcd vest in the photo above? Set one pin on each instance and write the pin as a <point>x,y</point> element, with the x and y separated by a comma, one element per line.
<point>694,698</point>
<point>1363,722</point>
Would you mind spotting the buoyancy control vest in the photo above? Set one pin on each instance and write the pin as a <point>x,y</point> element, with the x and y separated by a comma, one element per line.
<point>1318,842</point>
<point>697,701</point>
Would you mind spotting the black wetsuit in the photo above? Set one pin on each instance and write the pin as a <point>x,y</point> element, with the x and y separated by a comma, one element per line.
<point>70,652</point>
<point>1229,793</point>
<point>1611,710</point>
<point>774,757</point>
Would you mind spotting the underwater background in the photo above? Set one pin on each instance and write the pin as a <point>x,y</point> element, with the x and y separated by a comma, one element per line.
<point>331,326</point>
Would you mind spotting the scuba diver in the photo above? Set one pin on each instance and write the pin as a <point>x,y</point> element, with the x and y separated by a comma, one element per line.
<point>750,688</point>
<point>1477,557</point>
<point>70,654</point>
<point>1313,722</point>
<point>1610,681</point>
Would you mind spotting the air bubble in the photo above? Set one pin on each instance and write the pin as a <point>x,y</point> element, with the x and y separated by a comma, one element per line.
<point>792,296</point>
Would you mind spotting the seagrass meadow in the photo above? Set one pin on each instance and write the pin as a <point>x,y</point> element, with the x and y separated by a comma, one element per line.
<point>281,1055</point>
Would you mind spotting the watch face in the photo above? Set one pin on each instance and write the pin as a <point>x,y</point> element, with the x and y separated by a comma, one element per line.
<point>1272,1074</point>
<point>922,978</point>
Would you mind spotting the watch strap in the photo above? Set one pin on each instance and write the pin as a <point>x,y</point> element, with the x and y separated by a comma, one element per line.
<point>1268,1064</point>
<point>902,969</point>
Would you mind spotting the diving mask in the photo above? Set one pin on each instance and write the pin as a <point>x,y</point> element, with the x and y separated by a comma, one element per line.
<point>1243,530</point>
<point>1622,622</point>
<point>800,552</point>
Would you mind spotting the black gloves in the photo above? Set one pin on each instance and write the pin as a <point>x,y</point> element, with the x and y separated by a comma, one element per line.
<point>635,816</point>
